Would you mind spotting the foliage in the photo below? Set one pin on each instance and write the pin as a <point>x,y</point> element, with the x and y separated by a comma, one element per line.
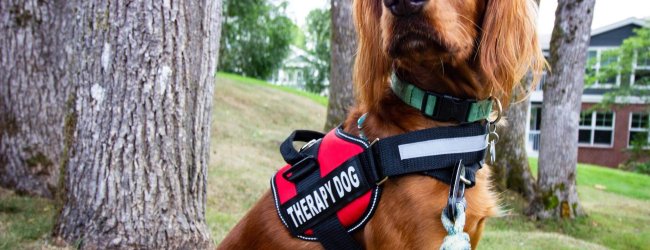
<point>255,38</point>
<point>638,151</point>
<point>318,36</point>
<point>623,64</point>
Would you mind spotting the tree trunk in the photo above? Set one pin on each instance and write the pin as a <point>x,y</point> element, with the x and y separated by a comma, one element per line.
<point>32,94</point>
<point>138,138</point>
<point>344,46</point>
<point>558,155</point>
<point>511,170</point>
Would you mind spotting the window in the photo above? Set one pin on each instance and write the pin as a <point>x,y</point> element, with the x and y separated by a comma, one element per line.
<point>596,129</point>
<point>599,61</point>
<point>534,126</point>
<point>535,117</point>
<point>639,128</point>
<point>542,80</point>
<point>641,76</point>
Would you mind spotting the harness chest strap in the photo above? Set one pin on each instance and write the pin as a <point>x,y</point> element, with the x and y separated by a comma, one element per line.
<point>433,152</point>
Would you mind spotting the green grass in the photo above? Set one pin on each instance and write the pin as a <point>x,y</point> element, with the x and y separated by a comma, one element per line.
<point>242,79</point>
<point>23,220</point>
<point>629,184</point>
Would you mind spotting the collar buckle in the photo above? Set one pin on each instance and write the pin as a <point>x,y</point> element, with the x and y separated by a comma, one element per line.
<point>449,108</point>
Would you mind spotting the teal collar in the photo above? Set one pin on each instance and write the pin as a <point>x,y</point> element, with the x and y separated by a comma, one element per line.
<point>441,107</point>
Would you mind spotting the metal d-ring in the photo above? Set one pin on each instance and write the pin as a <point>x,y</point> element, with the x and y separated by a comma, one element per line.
<point>493,136</point>
<point>499,111</point>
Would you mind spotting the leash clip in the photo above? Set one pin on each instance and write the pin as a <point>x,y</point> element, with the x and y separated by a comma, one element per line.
<point>456,190</point>
<point>493,139</point>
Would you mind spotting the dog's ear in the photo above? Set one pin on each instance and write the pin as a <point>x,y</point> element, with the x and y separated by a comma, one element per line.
<point>509,46</point>
<point>372,65</point>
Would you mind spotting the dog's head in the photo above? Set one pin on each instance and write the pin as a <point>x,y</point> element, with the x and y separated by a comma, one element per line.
<point>495,39</point>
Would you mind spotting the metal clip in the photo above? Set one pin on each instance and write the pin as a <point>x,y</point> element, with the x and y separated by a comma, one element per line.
<point>456,189</point>
<point>309,144</point>
<point>493,139</point>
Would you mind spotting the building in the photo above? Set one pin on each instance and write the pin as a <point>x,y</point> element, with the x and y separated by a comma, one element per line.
<point>605,136</point>
<point>294,69</point>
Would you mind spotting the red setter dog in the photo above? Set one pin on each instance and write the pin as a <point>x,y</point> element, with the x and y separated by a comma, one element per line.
<point>473,49</point>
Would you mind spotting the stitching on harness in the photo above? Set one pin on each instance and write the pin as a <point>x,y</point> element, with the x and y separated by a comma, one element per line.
<point>277,209</point>
<point>370,211</point>
<point>338,132</point>
<point>277,204</point>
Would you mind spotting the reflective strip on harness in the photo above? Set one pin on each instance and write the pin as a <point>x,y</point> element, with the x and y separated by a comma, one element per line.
<point>442,147</point>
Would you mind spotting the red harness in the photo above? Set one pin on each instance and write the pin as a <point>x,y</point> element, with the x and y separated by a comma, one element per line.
<point>335,148</point>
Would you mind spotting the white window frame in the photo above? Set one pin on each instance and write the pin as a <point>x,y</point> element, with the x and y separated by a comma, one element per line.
<point>635,66</point>
<point>592,128</point>
<point>597,66</point>
<point>630,130</point>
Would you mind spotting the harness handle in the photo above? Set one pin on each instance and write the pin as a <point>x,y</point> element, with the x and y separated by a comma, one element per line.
<point>301,163</point>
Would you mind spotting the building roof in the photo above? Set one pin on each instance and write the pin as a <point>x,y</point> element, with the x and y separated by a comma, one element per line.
<point>545,40</point>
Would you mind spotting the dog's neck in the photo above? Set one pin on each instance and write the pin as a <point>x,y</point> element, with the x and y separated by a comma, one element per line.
<point>392,116</point>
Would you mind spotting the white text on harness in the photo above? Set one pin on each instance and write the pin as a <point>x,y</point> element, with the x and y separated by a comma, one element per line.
<point>323,197</point>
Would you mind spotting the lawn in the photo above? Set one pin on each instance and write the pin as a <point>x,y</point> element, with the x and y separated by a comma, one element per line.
<point>251,118</point>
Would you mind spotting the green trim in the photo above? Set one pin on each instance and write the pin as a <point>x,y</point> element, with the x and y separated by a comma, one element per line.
<point>414,96</point>
<point>480,110</point>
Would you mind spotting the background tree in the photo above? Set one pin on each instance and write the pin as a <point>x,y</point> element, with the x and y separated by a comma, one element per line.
<point>137,136</point>
<point>318,39</point>
<point>511,170</point>
<point>256,37</point>
<point>344,45</point>
<point>32,93</point>
<point>558,154</point>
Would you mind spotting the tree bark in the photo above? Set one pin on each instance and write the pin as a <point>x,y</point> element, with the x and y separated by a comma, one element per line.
<point>138,136</point>
<point>344,45</point>
<point>32,93</point>
<point>557,196</point>
<point>511,169</point>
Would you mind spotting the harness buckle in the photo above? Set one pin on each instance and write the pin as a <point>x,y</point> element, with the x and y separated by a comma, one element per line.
<point>301,169</point>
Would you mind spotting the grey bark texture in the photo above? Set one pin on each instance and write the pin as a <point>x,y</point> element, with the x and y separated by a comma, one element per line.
<point>344,46</point>
<point>32,93</point>
<point>557,196</point>
<point>137,136</point>
<point>511,169</point>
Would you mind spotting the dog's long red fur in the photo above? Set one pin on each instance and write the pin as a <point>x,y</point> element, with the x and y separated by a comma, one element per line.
<point>464,48</point>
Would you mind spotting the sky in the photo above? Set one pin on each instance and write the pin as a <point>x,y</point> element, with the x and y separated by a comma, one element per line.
<point>606,11</point>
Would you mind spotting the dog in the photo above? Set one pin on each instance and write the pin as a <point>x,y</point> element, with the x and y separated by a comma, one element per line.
<point>471,49</point>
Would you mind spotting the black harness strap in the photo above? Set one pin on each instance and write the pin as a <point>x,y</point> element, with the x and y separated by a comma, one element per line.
<point>392,154</point>
<point>435,152</point>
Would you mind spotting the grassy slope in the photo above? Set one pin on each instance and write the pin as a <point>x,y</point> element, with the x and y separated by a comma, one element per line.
<point>251,119</point>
